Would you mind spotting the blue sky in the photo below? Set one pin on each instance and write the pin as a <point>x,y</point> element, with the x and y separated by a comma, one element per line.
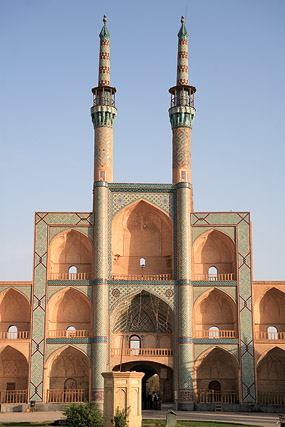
<point>49,63</point>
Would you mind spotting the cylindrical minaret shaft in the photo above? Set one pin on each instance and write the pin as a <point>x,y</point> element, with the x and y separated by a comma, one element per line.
<point>103,112</point>
<point>182,113</point>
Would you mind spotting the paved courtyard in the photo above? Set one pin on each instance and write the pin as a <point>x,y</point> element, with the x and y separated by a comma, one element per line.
<point>265,420</point>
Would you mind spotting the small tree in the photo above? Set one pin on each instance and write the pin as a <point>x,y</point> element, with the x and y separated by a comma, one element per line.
<point>120,419</point>
<point>83,415</point>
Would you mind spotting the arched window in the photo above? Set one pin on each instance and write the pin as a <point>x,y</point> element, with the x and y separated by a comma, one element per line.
<point>212,274</point>
<point>135,344</point>
<point>72,272</point>
<point>213,332</point>
<point>12,332</point>
<point>142,262</point>
<point>272,333</point>
<point>70,332</point>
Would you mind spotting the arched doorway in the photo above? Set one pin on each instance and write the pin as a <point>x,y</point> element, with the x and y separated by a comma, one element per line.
<point>271,377</point>
<point>156,392</point>
<point>14,372</point>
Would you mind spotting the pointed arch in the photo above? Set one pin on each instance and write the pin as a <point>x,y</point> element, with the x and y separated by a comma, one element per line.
<point>68,365</point>
<point>70,248</point>
<point>14,369</point>
<point>69,307</point>
<point>217,364</point>
<point>270,310</point>
<point>215,308</point>
<point>15,310</point>
<point>213,249</point>
<point>271,371</point>
<point>142,230</point>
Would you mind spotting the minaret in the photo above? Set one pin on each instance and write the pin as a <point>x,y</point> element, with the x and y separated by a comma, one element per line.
<point>103,112</point>
<point>182,113</point>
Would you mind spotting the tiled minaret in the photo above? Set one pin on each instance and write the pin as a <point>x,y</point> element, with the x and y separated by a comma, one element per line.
<point>181,114</point>
<point>103,112</point>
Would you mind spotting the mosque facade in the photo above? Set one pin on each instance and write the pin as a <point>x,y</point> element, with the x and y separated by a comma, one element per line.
<point>144,283</point>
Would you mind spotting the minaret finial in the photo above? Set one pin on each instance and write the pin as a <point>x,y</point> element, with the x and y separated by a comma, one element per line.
<point>105,19</point>
<point>182,20</point>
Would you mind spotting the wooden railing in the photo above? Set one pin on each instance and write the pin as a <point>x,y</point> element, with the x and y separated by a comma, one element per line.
<point>271,398</point>
<point>13,396</point>
<point>271,336</point>
<point>142,352</point>
<point>63,333</point>
<point>141,276</point>
<point>223,277</point>
<point>210,396</point>
<point>19,335</point>
<point>63,396</point>
<point>215,334</point>
<point>69,276</point>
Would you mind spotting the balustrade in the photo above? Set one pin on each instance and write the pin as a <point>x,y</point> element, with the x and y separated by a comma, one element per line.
<point>270,336</point>
<point>213,396</point>
<point>13,396</point>
<point>64,333</point>
<point>17,335</point>
<point>271,398</point>
<point>69,276</point>
<point>142,352</point>
<point>66,396</point>
<point>215,334</point>
<point>223,277</point>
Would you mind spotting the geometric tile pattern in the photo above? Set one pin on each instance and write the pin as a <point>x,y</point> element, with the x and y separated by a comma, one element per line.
<point>241,221</point>
<point>103,147</point>
<point>181,147</point>
<point>163,201</point>
<point>185,373</point>
<point>229,231</point>
<point>43,223</point>
<point>229,290</point>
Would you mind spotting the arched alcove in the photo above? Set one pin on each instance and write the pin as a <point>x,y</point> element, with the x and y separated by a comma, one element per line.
<point>14,311</point>
<point>271,312</point>
<point>271,371</point>
<point>68,369</point>
<point>214,249</point>
<point>70,249</point>
<point>215,309</point>
<point>217,365</point>
<point>69,308</point>
<point>141,231</point>
<point>14,370</point>
<point>146,316</point>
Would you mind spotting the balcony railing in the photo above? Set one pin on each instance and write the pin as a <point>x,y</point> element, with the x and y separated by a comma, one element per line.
<point>270,336</point>
<point>215,334</point>
<point>271,398</point>
<point>142,352</point>
<point>13,396</point>
<point>223,277</point>
<point>69,276</point>
<point>66,396</point>
<point>19,335</point>
<point>212,396</point>
<point>63,333</point>
<point>141,276</point>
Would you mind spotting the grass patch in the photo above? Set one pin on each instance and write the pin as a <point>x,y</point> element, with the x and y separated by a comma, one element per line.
<point>181,423</point>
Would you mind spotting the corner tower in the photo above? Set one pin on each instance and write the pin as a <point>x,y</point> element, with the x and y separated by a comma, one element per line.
<point>103,112</point>
<point>182,113</point>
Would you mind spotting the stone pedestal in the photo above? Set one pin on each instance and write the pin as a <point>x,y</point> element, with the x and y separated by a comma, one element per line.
<point>123,390</point>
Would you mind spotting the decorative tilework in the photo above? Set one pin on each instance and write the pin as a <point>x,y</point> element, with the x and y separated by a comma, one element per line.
<point>163,201</point>
<point>241,221</point>
<point>24,290</point>
<point>87,231</point>
<point>86,290</point>
<point>181,147</point>
<point>54,347</point>
<point>43,223</point>
<point>231,348</point>
<point>103,147</point>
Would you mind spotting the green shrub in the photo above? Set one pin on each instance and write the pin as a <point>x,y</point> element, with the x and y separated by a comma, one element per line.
<point>83,415</point>
<point>120,419</point>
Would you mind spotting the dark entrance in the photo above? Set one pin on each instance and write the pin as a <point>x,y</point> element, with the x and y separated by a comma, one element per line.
<point>215,389</point>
